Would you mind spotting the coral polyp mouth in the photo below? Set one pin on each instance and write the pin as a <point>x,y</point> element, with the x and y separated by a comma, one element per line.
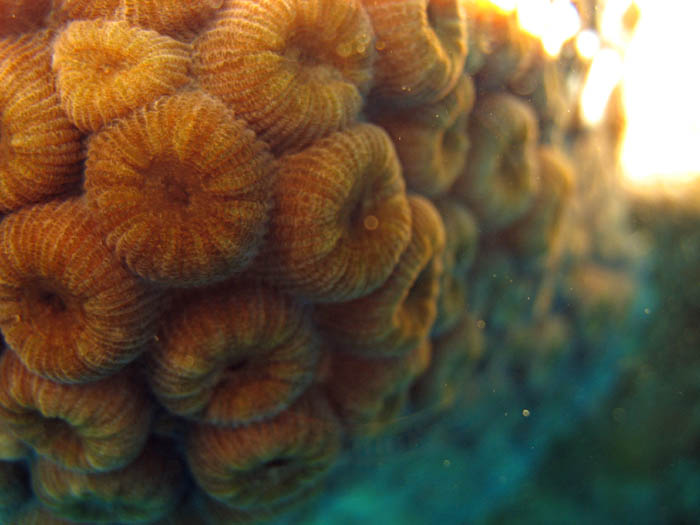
<point>172,180</point>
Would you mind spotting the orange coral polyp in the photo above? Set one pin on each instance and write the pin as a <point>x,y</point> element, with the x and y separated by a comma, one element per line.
<point>422,47</point>
<point>369,393</point>
<point>431,140</point>
<point>234,355</point>
<point>67,307</point>
<point>295,70</point>
<point>182,189</point>
<point>106,69</point>
<point>40,150</point>
<point>500,180</point>
<point>91,427</point>
<point>270,462</point>
<point>341,218</point>
<point>142,491</point>
<point>456,353</point>
<point>536,232</point>
<point>461,240</point>
<point>396,317</point>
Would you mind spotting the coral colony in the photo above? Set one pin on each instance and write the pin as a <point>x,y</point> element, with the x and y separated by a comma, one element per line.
<point>237,235</point>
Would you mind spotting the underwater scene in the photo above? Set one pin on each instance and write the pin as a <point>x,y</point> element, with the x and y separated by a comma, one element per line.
<point>349,262</point>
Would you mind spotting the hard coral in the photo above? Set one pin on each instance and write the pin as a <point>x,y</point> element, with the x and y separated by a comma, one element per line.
<point>500,180</point>
<point>431,140</point>
<point>18,16</point>
<point>396,317</point>
<point>461,241</point>
<point>14,489</point>
<point>295,70</point>
<point>206,244</point>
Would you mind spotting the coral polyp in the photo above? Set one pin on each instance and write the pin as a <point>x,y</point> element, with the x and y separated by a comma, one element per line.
<point>144,490</point>
<point>233,356</point>
<point>188,177</point>
<point>40,150</point>
<point>341,218</point>
<point>422,46</point>
<point>431,140</point>
<point>397,316</point>
<point>270,462</point>
<point>500,180</point>
<point>106,69</point>
<point>68,309</point>
<point>296,70</point>
<point>91,427</point>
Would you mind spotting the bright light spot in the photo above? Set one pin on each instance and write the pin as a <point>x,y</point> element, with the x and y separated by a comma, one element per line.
<point>603,75</point>
<point>552,21</point>
<point>532,15</point>
<point>562,24</point>
<point>587,44</point>
<point>526,412</point>
<point>611,26</point>
<point>661,89</point>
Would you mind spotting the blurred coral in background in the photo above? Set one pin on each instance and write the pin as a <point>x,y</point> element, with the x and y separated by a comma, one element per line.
<point>335,261</point>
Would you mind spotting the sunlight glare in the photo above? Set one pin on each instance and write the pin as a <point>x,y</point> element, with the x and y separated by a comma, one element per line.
<point>661,85</point>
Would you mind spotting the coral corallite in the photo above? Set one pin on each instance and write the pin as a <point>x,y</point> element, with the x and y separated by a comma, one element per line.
<point>40,150</point>
<point>500,180</point>
<point>270,462</point>
<point>67,307</point>
<point>461,240</point>
<point>235,355</point>
<point>176,19</point>
<point>341,218</point>
<point>369,393</point>
<point>91,427</point>
<point>17,16</point>
<point>182,190</point>
<point>431,140</point>
<point>422,47</point>
<point>14,490</point>
<point>144,490</point>
<point>295,70</point>
<point>396,317</point>
<point>106,69</point>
